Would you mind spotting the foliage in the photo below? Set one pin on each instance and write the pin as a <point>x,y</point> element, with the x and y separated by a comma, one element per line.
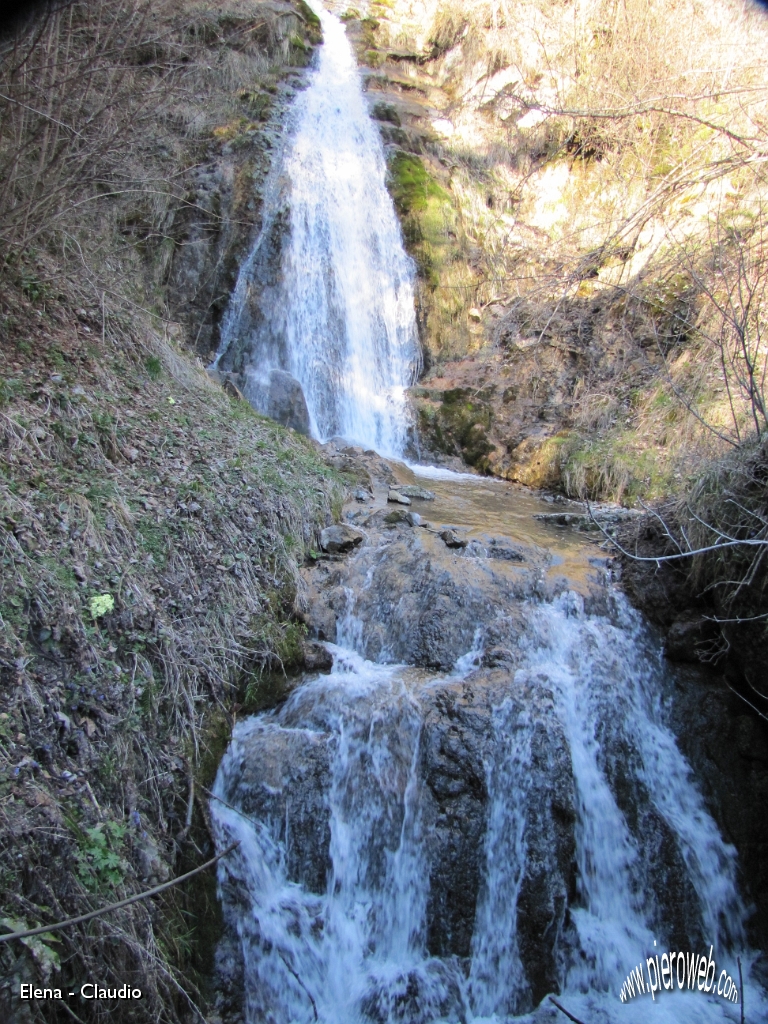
<point>100,861</point>
<point>101,604</point>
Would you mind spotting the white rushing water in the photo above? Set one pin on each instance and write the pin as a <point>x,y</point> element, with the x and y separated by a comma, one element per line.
<point>357,950</point>
<point>341,318</point>
<point>330,896</point>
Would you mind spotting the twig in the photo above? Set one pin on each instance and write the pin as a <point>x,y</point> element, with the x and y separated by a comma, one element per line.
<point>311,999</point>
<point>44,929</point>
<point>747,702</point>
<point>562,1009</point>
<point>732,542</point>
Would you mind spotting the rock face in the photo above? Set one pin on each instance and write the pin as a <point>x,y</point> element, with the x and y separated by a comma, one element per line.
<point>447,757</point>
<point>461,738</point>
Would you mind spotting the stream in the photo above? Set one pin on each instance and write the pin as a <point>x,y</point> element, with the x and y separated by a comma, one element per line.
<point>482,803</point>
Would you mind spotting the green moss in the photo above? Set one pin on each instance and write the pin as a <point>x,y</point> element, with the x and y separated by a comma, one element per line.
<point>309,15</point>
<point>410,184</point>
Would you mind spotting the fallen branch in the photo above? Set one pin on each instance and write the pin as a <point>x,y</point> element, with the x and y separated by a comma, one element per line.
<point>730,542</point>
<point>45,928</point>
<point>567,1013</point>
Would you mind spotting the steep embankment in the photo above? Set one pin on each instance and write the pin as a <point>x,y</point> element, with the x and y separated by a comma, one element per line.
<point>581,189</point>
<point>151,525</point>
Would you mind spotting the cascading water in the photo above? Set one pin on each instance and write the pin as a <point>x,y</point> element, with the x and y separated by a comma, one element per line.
<point>340,318</point>
<point>415,846</point>
<point>354,945</point>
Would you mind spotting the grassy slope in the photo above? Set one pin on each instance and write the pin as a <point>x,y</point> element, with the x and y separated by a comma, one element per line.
<point>150,533</point>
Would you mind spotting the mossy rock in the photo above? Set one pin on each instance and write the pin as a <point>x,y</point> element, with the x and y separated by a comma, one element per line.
<point>386,112</point>
<point>411,185</point>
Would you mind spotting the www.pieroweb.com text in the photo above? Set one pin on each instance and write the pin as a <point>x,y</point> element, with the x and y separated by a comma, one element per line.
<point>666,971</point>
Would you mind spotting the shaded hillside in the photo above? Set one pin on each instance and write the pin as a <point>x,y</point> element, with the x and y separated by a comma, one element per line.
<point>151,525</point>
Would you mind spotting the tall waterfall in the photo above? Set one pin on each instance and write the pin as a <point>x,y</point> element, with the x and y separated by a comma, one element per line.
<point>339,316</point>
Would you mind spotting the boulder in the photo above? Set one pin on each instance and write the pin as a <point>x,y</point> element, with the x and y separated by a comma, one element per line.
<point>398,497</point>
<point>398,515</point>
<point>286,402</point>
<point>278,395</point>
<point>452,540</point>
<point>317,657</point>
<point>420,493</point>
<point>339,539</point>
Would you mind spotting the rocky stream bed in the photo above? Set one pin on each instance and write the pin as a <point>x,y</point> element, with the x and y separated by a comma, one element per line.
<point>481,802</point>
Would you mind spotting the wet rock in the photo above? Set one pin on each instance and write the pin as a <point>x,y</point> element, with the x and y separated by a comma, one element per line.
<point>421,605</point>
<point>398,497</point>
<point>420,996</point>
<point>340,538</point>
<point>504,551</point>
<point>466,740</point>
<point>452,540</point>
<point>398,515</point>
<point>286,402</point>
<point>317,657</point>
<point>285,778</point>
<point>420,493</point>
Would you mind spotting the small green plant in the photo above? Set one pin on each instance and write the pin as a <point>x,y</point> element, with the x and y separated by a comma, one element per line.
<point>154,367</point>
<point>47,959</point>
<point>99,860</point>
<point>101,604</point>
<point>32,287</point>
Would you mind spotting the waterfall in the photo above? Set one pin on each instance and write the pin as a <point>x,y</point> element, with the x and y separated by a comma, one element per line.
<point>353,944</point>
<point>339,314</point>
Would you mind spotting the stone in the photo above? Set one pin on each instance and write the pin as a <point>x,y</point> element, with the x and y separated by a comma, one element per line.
<point>339,539</point>
<point>452,539</point>
<point>421,493</point>
<point>278,395</point>
<point>150,865</point>
<point>398,497</point>
<point>317,657</point>
<point>398,515</point>
<point>231,389</point>
<point>361,495</point>
<point>286,402</point>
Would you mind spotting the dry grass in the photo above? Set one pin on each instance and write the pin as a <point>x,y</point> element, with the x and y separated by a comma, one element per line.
<point>607,168</point>
<point>190,517</point>
<point>150,528</point>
